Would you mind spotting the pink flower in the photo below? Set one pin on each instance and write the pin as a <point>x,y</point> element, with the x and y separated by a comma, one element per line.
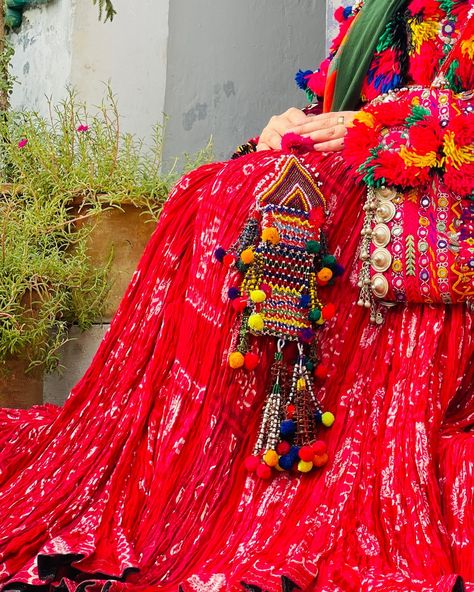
<point>83,128</point>
<point>22,143</point>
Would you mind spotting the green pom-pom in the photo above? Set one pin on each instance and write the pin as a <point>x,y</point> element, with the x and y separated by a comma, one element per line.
<point>314,315</point>
<point>309,365</point>
<point>329,260</point>
<point>313,246</point>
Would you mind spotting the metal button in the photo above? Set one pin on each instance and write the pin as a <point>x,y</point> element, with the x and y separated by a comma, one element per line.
<point>381,235</point>
<point>379,285</point>
<point>381,259</point>
<point>386,193</point>
<point>385,212</point>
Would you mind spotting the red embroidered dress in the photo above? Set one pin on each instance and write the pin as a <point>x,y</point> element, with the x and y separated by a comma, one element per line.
<point>138,483</point>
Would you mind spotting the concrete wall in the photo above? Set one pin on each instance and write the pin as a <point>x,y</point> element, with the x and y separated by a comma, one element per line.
<point>231,66</point>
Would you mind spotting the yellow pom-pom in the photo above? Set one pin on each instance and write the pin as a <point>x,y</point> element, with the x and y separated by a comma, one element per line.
<point>247,256</point>
<point>328,419</point>
<point>325,274</point>
<point>365,118</point>
<point>271,235</point>
<point>236,360</point>
<point>305,466</point>
<point>257,296</point>
<point>271,458</point>
<point>300,384</point>
<point>256,322</point>
<point>278,468</point>
<point>320,321</point>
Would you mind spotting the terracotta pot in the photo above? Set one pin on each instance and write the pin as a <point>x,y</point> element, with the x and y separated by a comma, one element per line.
<point>124,233</point>
<point>19,389</point>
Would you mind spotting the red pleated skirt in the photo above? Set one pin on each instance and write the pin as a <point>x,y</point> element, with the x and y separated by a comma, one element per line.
<point>137,483</point>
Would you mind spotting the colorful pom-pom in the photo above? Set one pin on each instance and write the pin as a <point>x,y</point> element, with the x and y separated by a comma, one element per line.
<point>251,361</point>
<point>286,462</point>
<point>287,427</point>
<point>319,447</point>
<point>305,467</point>
<point>337,270</point>
<point>251,463</point>
<point>301,78</point>
<point>236,360</point>
<point>247,256</point>
<point>328,311</point>
<point>309,364</point>
<point>256,322</point>
<point>325,274</point>
<point>271,235</point>
<point>264,471</point>
<point>267,289</point>
<point>239,304</point>
<point>313,247</point>
<point>270,458</point>
<point>294,450</point>
<point>305,300</point>
<point>258,296</point>
<point>328,260</point>
<point>328,419</point>
<point>318,416</point>
<point>347,12</point>
<point>278,467</point>
<point>315,315</point>
<point>306,335</point>
<point>219,254</point>
<point>320,460</point>
<point>339,14</point>
<point>306,453</point>
<point>228,260</point>
<point>320,321</point>
<point>233,293</point>
<point>283,447</point>
<point>321,371</point>
<point>241,266</point>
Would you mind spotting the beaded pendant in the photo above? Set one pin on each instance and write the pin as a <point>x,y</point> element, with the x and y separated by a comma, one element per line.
<point>283,258</point>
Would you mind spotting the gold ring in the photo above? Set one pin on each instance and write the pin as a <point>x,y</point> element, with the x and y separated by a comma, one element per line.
<point>340,120</point>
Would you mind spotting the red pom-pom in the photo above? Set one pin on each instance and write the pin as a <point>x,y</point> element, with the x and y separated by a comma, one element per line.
<point>283,448</point>
<point>251,463</point>
<point>290,411</point>
<point>239,304</point>
<point>328,311</point>
<point>306,453</point>
<point>321,282</point>
<point>251,361</point>
<point>264,471</point>
<point>321,371</point>
<point>228,260</point>
<point>267,289</point>
<point>319,447</point>
<point>339,14</point>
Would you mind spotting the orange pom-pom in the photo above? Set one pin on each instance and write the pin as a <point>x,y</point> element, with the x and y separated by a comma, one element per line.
<point>325,274</point>
<point>271,235</point>
<point>247,256</point>
<point>320,460</point>
<point>236,360</point>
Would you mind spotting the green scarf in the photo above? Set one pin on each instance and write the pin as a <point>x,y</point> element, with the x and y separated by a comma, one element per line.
<point>355,55</point>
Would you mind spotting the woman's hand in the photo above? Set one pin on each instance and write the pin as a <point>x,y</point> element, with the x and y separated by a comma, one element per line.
<point>327,129</point>
<point>278,126</point>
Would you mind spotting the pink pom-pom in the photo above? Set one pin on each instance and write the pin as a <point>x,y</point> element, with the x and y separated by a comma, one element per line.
<point>264,472</point>
<point>296,144</point>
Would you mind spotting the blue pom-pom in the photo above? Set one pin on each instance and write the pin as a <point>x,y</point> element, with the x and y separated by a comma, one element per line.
<point>305,300</point>
<point>219,254</point>
<point>233,293</point>
<point>301,78</point>
<point>347,12</point>
<point>318,417</point>
<point>287,427</point>
<point>286,462</point>
<point>337,270</point>
<point>294,450</point>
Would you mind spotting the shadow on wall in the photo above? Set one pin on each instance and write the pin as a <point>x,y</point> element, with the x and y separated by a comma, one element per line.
<point>231,66</point>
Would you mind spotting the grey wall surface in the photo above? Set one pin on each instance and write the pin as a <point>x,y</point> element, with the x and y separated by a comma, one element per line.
<point>231,66</point>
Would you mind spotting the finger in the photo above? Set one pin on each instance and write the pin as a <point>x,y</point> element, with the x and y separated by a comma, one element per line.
<point>316,123</point>
<point>272,138</point>
<point>295,116</point>
<point>262,146</point>
<point>331,146</point>
<point>332,133</point>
